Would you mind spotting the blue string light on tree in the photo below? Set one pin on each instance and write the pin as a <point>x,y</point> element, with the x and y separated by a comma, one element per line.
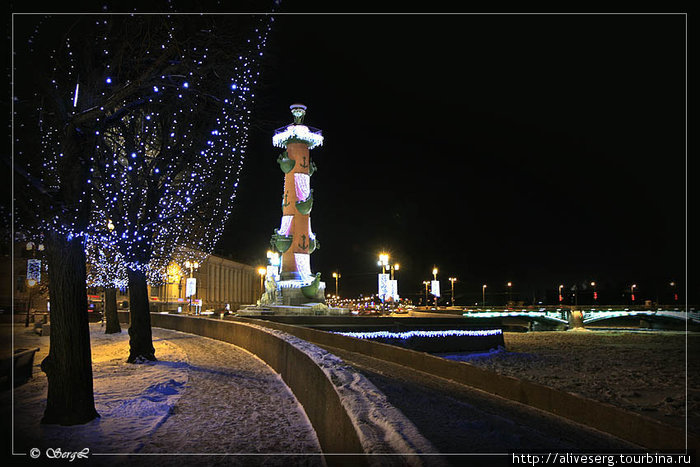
<point>151,149</point>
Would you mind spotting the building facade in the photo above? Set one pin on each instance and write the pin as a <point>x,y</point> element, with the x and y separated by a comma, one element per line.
<point>221,284</point>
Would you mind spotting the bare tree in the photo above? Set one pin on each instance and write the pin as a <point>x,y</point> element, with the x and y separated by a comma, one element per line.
<point>106,268</point>
<point>112,113</point>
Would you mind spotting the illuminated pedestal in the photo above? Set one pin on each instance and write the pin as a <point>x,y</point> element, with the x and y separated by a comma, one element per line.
<point>290,286</point>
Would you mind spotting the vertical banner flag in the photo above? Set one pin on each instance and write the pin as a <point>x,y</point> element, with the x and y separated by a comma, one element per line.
<point>191,287</point>
<point>394,289</point>
<point>435,288</point>
<point>384,291</point>
<point>34,270</point>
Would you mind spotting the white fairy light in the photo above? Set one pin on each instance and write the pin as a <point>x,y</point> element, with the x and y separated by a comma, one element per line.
<point>311,136</point>
<point>123,167</point>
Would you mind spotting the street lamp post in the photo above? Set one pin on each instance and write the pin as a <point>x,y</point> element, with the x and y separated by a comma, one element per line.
<point>673,288</point>
<point>31,284</point>
<point>395,267</point>
<point>632,290</point>
<point>262,271</point>
<point>34,279</point>
<point>336,276</point>
<point>383,261</point>
<point>561,297</point>
<point>452,286</point>
<point>435,271</point>
<point>395,290</point>
<point>483,295</point>
<point>192,266</point>
<point>595,293</point>
<point>510,288</point>
<point>426,284</point>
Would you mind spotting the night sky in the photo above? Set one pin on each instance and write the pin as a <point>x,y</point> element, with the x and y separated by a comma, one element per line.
<point>537,149</point>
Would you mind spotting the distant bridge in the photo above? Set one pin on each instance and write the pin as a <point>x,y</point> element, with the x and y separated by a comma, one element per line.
<point>560,317</point>
<point>599,315</point>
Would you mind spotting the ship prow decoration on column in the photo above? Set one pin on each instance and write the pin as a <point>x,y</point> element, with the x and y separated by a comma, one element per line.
<point>290,285</point>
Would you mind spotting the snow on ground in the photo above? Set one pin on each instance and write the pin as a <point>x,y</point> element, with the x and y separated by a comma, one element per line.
<point>131,399</point>
<point>234,403</point>
<point>381,426</point>
<point>202,396</point>
<point>640,371</point>
<point>459,419</point>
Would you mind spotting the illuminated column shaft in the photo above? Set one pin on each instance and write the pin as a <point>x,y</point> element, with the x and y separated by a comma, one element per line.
<point>294,239</point>
<point>299,153</point>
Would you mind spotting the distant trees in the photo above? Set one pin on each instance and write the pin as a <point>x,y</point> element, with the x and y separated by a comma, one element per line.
<point>106,269</point>
<point>137,120</point>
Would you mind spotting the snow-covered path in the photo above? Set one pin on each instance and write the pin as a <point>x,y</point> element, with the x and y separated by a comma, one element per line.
<point>203,396</point>
<point>233,403</point>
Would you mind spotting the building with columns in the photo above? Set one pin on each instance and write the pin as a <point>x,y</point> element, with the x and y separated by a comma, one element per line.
<point>219,282</point>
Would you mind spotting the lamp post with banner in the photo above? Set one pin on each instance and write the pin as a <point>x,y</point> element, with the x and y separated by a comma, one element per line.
<point>435,286</point>
<point>191,284</point>
<point>33,276</point>
<point>383,278</point>
<point>561,297</point>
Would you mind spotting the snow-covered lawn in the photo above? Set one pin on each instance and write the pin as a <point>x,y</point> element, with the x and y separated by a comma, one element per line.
<point>643,371</point>
<point>202,396</point>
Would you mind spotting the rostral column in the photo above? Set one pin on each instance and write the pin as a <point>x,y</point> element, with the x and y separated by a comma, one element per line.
<point>294,239</point>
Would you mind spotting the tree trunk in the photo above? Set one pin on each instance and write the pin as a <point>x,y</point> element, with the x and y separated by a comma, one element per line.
<point>68,366</point>
<point>111,315</point>
<point>140,337</point>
